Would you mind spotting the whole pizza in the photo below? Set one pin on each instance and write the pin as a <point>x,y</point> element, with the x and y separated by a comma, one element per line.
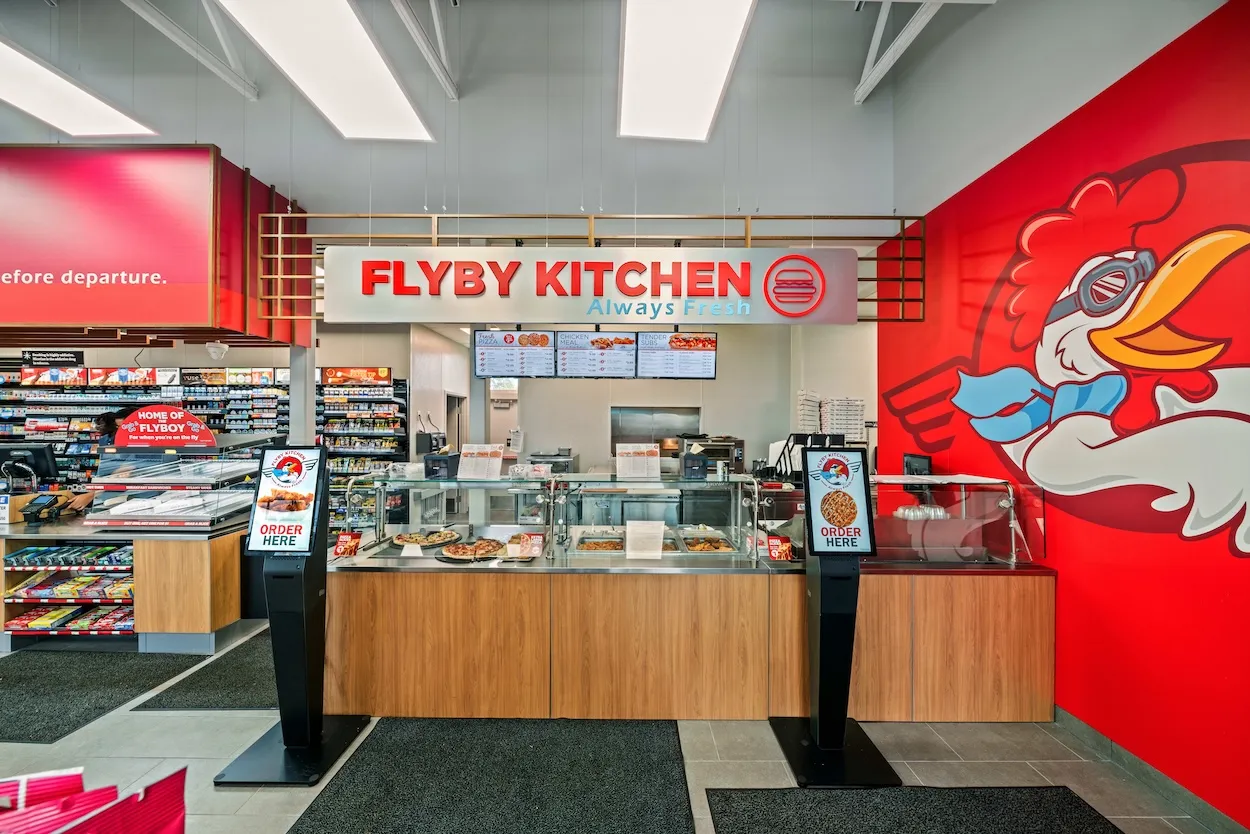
<point>839,508</point>
<point>428,539</point>
<point>474,550</point>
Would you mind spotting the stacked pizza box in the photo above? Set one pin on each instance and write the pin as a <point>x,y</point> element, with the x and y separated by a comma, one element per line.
<point>809,411</point>
<point>843,415</point>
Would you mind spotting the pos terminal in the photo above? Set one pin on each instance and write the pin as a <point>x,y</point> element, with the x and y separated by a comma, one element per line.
<point>829,749</point>
<point>290,528</point>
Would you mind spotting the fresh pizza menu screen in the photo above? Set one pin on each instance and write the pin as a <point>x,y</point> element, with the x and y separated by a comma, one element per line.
<point>526,353</point>
<point>595,354</point>
<point>677,355</point>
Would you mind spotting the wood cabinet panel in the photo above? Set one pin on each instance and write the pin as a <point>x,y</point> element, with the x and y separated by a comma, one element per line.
<point>438,645</point>
<point>173,587</point>
<point>659,646</point>
<point>985,648</point>
<point>881,668</point>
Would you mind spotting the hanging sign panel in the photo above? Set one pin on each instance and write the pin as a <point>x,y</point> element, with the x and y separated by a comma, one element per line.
<point>579,285</point>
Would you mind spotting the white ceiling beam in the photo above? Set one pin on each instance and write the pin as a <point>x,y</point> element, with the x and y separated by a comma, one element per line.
<point>883,17</point>
<point>428,50</point>
<point>223,35</point>
<point>911,30</point>
<point>167,27</point>
<point>438,31</point>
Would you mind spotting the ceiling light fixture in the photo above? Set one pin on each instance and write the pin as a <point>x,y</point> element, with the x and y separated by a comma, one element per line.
<point>676,60</point>
<point>324,49</point>
<point>51,96</point>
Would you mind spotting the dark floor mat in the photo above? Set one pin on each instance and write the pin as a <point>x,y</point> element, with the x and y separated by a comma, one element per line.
<point>905,811</point>
<point>50,694</point>
<point>496,776</point>
<point>242,678</point>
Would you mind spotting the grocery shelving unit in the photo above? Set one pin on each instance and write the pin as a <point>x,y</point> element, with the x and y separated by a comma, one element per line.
<point>365,428</point>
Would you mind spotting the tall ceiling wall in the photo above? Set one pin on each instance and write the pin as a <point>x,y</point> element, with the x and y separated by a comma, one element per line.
<point>983,82</point>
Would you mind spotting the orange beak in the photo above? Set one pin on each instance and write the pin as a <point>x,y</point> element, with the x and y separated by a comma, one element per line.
<point>1144,339</point>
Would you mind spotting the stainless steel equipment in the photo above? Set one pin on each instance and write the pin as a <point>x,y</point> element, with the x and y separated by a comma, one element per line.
<point>562,461</point>
<point>731,450</point>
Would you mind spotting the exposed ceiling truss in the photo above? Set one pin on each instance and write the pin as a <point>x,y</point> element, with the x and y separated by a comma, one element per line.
<point>435,55</point>
<point>229,71</point>
<point>876,68</point>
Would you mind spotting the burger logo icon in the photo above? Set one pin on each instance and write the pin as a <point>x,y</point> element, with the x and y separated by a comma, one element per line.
<point>794,285</point>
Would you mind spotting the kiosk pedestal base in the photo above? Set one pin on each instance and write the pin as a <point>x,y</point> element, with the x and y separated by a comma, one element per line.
<point>270,762</point>
<point>859,764</point>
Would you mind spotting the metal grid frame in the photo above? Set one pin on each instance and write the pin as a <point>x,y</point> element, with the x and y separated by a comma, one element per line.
<point>890,249</point>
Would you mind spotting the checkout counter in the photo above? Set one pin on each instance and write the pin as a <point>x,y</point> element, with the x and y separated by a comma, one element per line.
<point>710,628</point>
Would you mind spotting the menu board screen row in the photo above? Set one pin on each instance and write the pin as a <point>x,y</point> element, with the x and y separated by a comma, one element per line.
<point>594,354</point>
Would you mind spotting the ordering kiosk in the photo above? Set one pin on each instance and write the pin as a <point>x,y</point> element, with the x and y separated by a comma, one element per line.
<point>830,750</point>
<point>289,528</point>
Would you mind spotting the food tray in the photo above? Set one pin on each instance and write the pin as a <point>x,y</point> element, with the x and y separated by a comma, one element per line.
<point>444,556</point>
<point>440,545</point>
<point>586,538</point>
<point>691,538</point>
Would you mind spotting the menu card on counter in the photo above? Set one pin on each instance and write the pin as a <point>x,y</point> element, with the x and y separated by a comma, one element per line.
<point>644,539</point>
<point>637,460</point>
<point>498,353</point>
<point>676,355</point>
<point>585,353</point>
<point>481,461</point>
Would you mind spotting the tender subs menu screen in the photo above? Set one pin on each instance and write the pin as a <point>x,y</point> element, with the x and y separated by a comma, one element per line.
<point>598,354</point>
<point>677,355</point>
<point>526,353</point>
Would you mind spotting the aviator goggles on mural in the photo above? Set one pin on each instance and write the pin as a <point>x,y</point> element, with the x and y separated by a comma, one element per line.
<point>1106,287</point>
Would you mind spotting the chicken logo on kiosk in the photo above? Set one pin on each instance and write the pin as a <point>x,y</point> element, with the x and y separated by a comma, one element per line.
<point>285,502</point>
<point>839,518</point>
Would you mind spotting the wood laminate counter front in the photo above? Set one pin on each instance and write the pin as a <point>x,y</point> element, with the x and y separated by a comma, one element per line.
<point>187,581</point>
<point>599,638</point>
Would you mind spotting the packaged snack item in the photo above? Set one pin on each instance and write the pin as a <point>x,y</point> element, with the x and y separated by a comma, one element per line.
<point>34,581</point>
<point>88,619</point>
<point>43,617</point>
<point>71,587</point>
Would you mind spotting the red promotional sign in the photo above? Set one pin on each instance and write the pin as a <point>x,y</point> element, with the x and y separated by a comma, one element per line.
<point>53,376</point>
<point>122,376</point>
<point>106,236</point>
<point>356,376</point>
<point>164,425</point>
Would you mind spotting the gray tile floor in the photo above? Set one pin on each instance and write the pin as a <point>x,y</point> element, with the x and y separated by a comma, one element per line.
<point>133,749</point>
<point>743,754</point>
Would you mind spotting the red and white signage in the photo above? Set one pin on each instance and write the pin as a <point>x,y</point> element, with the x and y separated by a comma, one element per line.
<point>582,285</point>
<point>106,236</point>
<point>163,425</point>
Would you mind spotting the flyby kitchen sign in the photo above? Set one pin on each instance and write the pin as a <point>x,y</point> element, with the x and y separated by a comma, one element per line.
<point>581,285</point>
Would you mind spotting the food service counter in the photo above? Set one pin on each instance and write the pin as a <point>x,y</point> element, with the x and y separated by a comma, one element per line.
<point>186,590</point>
<point>690,637</point>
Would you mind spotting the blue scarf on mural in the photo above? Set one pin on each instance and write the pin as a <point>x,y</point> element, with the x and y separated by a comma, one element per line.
<point>983,398</point>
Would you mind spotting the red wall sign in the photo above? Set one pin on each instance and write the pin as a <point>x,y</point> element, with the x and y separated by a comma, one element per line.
<point>106,236</point>
<point>164,425</point>
<point>1086,333</point>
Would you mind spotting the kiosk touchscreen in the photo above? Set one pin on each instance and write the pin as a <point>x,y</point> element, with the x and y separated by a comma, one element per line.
<point>829,749</point>
<point>290,528</point>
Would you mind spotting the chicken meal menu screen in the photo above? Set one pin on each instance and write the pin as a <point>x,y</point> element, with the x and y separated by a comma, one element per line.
<point>677,355</point>
<point>595,354</point>
<point>525,353</point>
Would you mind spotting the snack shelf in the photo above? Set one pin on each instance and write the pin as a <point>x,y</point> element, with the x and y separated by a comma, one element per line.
<point>63,632</point>
<point>396,433</point>
<point>348,450</point>
<point>71,600</point>
<point>70,568</point>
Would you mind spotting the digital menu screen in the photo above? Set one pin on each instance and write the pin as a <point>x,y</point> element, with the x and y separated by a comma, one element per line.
<point>595,354</point>
<point>677,356</point>
<point>527,353</point>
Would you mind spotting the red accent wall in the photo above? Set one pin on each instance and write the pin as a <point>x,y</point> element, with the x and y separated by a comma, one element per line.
<point>1138,420</point>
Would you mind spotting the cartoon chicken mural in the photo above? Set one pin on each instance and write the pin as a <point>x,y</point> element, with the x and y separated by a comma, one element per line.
<point>1109,361</point>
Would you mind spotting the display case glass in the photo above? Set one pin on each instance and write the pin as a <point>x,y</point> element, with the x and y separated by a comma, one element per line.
<point>956,518</point>
<point>196,487</point>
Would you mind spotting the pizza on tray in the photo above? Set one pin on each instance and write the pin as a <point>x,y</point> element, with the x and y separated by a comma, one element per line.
<point>428,539</point>
<point>480,549</point>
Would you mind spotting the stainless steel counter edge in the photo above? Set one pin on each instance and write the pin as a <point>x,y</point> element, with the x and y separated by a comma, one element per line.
<point>587,564</point>
<point>76,530</point>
